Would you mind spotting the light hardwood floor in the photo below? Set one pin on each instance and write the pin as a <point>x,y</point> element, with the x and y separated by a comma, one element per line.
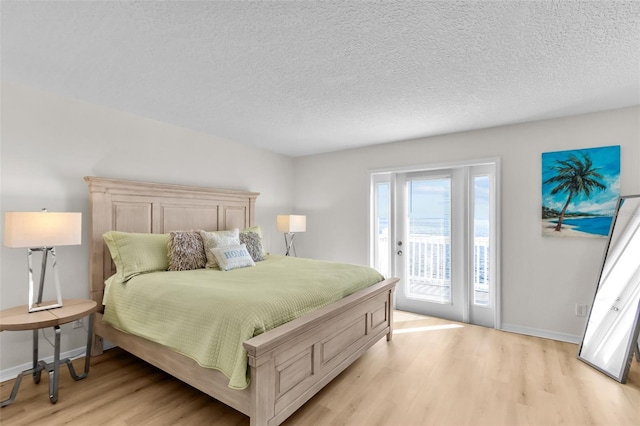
<point>464,375</point>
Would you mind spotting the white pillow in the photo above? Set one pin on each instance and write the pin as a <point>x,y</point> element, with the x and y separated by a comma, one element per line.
<point>233,257</point>
<point>226,238</point>
<point>218,239</point>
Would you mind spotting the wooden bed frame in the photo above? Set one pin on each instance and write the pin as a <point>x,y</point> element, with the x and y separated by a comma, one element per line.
<point>288,365</point>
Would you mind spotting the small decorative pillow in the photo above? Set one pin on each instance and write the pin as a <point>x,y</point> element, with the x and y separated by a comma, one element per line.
<point>232,257</point>
<point>254,245</point>
<point>218,239</point>
<point>137,253</point>
<point>186,251</point>
<point>257,230</point>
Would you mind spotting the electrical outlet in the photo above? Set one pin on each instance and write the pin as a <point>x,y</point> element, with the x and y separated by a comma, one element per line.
<point>77,323</point>
<point>581,310</point>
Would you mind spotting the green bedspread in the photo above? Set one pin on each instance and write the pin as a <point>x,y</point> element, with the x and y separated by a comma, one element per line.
<point>207,314</point>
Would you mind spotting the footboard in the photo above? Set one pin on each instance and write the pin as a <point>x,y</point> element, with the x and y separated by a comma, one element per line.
<point>292,363</point>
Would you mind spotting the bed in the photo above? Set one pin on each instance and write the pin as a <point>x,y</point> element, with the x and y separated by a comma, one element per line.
<point>286,365</point>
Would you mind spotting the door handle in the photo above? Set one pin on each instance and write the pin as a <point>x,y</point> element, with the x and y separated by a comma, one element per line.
<point>399,253</point>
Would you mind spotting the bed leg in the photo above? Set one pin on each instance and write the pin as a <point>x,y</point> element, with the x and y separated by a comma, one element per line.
<point>97,348</point>
<point>262,388</point>
<point>254,422</point>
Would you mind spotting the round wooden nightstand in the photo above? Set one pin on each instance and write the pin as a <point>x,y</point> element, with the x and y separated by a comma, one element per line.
<point>19,319</point>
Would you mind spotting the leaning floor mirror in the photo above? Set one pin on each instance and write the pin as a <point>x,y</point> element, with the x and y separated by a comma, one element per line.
<point>611,334</point>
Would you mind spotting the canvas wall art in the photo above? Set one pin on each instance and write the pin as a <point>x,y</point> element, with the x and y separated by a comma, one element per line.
<point>579,191</point>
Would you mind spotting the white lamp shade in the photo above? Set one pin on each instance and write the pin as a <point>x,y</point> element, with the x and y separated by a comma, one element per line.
<point>292,223</point>
<point>42,229</point>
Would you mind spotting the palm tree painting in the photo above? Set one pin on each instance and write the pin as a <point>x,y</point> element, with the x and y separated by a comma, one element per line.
<point>579,191</point>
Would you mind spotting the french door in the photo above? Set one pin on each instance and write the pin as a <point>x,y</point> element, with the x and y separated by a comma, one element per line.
<point>435,230</point>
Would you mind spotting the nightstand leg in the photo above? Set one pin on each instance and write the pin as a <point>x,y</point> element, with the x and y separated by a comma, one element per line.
<point>36,371</point>
<point>14,391</point>
<point>87,358</point>
<point>54,374</point>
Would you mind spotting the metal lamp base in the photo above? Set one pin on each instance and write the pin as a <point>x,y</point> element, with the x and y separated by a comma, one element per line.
<point>35,306</point>
<point>289,244</point>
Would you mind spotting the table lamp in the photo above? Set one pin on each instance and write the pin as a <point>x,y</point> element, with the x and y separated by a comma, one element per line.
<point>290,224</point>
<point>42,231</point>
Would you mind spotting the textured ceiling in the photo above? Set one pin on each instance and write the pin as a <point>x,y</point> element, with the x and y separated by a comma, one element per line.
<point>305,77</point>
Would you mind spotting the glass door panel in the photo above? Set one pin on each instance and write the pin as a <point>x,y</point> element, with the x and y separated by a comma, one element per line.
<point>481,254</point>
<point>429,243</point>
<point>382,241</point>
<point>482,277</point>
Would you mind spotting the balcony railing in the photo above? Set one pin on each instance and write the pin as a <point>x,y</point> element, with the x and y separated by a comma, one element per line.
<point>429,260</point>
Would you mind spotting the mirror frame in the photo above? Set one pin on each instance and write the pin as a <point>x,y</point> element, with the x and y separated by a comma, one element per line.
<point>633,344</point>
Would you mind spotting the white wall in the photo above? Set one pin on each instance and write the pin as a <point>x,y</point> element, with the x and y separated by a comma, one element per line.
<point>542,278</point>
<point>49,143</point>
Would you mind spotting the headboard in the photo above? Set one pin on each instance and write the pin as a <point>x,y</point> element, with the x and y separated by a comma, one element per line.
<point>130,206</point>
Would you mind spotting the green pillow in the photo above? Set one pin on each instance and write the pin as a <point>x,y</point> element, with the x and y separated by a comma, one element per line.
<point>135,253</point>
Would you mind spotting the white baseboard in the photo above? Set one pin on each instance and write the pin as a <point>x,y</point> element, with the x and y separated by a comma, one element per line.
<point>547,334</point>
<point>12,372</point>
